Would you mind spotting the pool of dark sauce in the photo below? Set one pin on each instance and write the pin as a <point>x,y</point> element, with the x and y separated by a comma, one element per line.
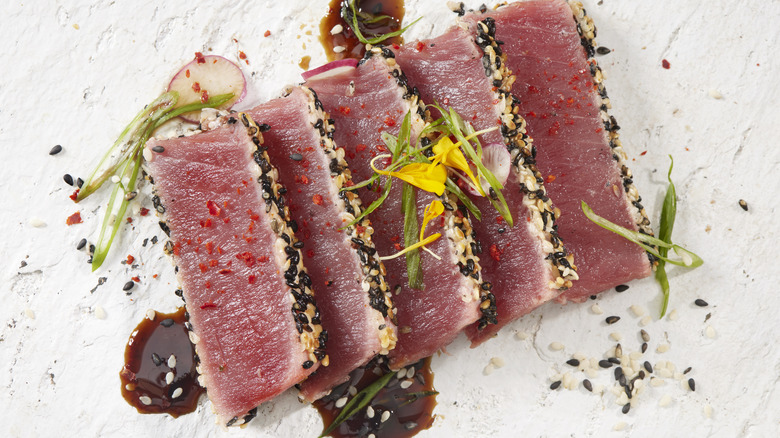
<point>148,361</point>
<point>354,48</point>
<point>410,409</point>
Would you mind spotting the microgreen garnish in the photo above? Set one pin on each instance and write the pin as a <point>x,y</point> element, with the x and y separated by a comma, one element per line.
<point>122,163</point>
<point>354,18</point>
<point>664,243</point>
<point>358,402</point>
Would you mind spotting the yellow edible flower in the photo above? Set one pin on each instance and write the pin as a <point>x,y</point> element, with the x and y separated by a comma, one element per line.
<point>433,210</point>
<point>427,176</point>
<point>449,154</point>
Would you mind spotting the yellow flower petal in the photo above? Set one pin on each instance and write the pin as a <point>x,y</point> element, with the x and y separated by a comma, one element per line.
<point>419,244</point>
<point>450,155</point>
<point>433,210</point>
<point>427,176</point>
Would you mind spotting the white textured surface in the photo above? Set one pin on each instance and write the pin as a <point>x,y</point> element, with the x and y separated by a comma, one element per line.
<point>74,73</point>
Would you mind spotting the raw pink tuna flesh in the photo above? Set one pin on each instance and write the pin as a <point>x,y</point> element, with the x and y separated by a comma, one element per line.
<point>332,262</point>
<point>236,295</point>
<point>438,313</point>
<point>561,105</point>
<point>449,70</point>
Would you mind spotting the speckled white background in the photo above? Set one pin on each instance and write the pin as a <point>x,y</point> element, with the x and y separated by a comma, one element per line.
<point>75,72</point>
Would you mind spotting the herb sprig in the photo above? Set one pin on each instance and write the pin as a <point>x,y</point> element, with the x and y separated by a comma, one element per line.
<point>358,402</point>
<point>353,17</point>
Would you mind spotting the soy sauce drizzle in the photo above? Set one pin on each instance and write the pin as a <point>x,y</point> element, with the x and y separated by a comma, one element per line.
<point>347,39</point>
<point>148,360</point>
<point>410,409</point>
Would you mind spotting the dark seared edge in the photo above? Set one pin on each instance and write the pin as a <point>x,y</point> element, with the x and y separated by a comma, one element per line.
<point>587,31</point>
<point>360,233</point>
<point>457,225</point>
<point>523,155</point>
<point>304,310</point>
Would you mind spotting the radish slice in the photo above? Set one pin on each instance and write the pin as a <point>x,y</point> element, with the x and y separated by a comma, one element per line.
<point>330,69</point>
<point>495,157</point>
<point>206,76</point>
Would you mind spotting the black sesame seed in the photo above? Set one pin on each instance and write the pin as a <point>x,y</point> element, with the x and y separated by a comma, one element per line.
<point>167,322</point>
<point>156,359</point>
<point>645,335</point>
<point>692,384</point>
<point>158,149</point>
<point>612,319</point>
<point>641,374</point>
<point>589,386</point>
<point>593,297</point>
<point>573,362</point>
<point>701,303</point>
<point>79,182</point>
<point>555,385</point>
<point>626,408</point>
<point>308,364</point>
<point>743,204</point>
<point>605,363</point>
<point>129,285</point>
<point>648,367</point>
<point>68,179</point>
<point>55,150</point>
<point>644,347</point>
<point>82,243</point>
<point>614,360</point>
<point>622,381</point>
<point>296,157</point>
<point>603,50</point>
<point>687,370</point>
<point>621,287</point>
<point>619,373</point>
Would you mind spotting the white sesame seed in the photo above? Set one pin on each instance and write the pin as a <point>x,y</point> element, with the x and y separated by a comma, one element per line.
<point>370,412</point>
<point>406,383</point>
<point>708,411</point>
<point>656,382</point>
<point>336,29</point>
<point>616,336</point>
<point>341,402</point>
<point>662,348</point>
<point>339,49</point>
<point>715,94</point>
<point>635,355</point>
<point>596,309</point>
<point>556,346</point>
<point>145,400</point>
<point>488,370</point>
<point>637,310</point>
<point>130,387</point>
<point>497,362</point>
<point>666,400</point>
<point>710,332</point>
<point>352,390</point>
<point>115,179</point>
<point>28,312</point>
<point>521,335</point>
<point>194,338</point>
<point>385,416</point>
<point>400,374</point>
<point>622,399</point>
<point>665,373</point>
<point>592,373</point>
<point>579,356</point>
<point>673,315</point>
<point>169,377</point>
<point>176,392</point>
<point>100,313</point>
<point>172,361</point>
<point>371,436</point>
<point>679,376</point>
<point>148,156</point>
<point>410,373</point>
<point>619,426</point>
<point>645,320</point>
<point>150,314</point>
<point>37,222</point>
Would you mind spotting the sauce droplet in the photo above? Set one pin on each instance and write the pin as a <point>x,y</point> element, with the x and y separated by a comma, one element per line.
<point>401,409</point>
<point>345,43</point>
<point>159,375</point>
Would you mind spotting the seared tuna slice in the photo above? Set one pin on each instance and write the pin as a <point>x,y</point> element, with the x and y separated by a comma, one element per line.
<point>525,265</point>
<point>550,49</point>
<point>252,314</point>
<point>370,99</point>
<point>352,295</point>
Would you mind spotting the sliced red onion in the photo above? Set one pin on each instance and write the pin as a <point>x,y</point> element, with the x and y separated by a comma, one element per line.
<point>330,69</point>
<point>495,157</point>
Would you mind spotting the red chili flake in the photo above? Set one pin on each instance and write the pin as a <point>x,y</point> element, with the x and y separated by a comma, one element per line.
<point>208,284</point>
<point>310,253</point>
<point>396,46</point>
<point>349,183</point>
<point>73,219</point>
<point>360,229</point>
<point>446,101</point>
<point>226,220</point>
<point>187,73</point>
<point>129,220</point>
<point>225,271</point>
<point>252,215</point>
<point>206,223</point>
<point>499,219</point>
<point>154,276</point>
<point>389,121</point>
<point>203,267</point>
<point>214,209</point>
<point>241,54</point>
<point>176,248</point>
<point>395,238</point>
<point>247,258</point>
<point>75,194</point>
<point>213,262</point>
<point>196,87</point>
<point>549,179</point>
<point>361,147</point>
<point>665,64</point>
<point>420,46</point>
<point>532,89</point>
<point>130,259</point>
<point>495,253</point>
<point>252,279</point>
<point>209,247</point>
<point>317,199</point>
<point>219,250</point>
<point>345,110</point>
<point>267,33</point>
<point>381,147</point>
<point>262,259</point>
<point>554,128</point>
<point>208,305</point>
<point>136,279</point>
<point>204,96</point>
<point>144,211</point>
<point>201,59</point>
<point>643,153</point>
<point>304,179</point>
<point>397,246</point>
